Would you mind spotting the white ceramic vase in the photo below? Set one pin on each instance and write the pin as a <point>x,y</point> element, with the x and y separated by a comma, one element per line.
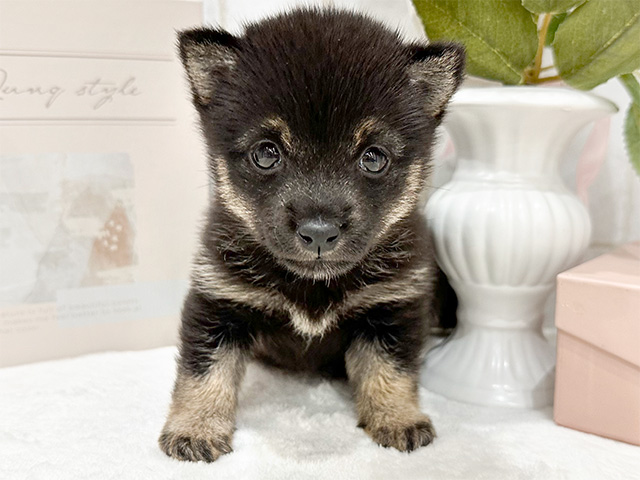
<point>504,227</point>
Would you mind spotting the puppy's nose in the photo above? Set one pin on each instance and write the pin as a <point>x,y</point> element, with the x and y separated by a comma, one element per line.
<point>318,235</point>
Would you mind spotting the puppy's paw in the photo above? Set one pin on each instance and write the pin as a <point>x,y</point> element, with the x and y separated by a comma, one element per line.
<point>194,448</point>
<point>404,436</point>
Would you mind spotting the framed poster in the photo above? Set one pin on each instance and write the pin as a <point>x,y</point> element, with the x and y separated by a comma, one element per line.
<point>102,176</point>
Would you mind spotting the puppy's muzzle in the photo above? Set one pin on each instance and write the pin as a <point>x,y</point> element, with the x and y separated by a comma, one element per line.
<point>318,235</point>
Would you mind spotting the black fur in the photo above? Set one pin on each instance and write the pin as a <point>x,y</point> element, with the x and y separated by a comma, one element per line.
<point>206,323</point>
<point>323,86</point>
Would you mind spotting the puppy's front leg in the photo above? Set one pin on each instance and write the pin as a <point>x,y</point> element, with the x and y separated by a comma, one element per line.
<point>210,367</point>
<point>386,397</point>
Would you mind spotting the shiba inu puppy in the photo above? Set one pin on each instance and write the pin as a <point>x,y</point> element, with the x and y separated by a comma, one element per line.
<point>319,126</point>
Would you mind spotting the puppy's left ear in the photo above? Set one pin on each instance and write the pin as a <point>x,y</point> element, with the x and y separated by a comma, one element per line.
<point>208,56</point>
<point>438,70</point>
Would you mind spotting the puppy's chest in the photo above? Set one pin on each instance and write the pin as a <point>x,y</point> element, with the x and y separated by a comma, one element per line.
<point>286,349</point>
<point>311,312</point>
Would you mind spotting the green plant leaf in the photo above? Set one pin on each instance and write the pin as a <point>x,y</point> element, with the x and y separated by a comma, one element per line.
<point>500,36</point>
<point>555,22</point>
<point>632,121</point>
<point>632,135</point>
<point>630,83</point>
<point>550,6</point>
<point>597,41</point>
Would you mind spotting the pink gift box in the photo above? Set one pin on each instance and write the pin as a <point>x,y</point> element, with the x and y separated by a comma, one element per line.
<point>598,366</point>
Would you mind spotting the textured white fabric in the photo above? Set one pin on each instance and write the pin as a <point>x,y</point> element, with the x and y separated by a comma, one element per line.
<point>98,417</point>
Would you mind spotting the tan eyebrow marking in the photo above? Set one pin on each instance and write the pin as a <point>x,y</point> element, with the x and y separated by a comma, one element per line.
<point>373,125</point>
<point>276,124</point>
<point>367,126</point>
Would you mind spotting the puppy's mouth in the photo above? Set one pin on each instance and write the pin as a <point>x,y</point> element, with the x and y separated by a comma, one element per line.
<point>318,267</point>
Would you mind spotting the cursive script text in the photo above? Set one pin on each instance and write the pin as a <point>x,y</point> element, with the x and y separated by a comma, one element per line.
<point>50,93</point>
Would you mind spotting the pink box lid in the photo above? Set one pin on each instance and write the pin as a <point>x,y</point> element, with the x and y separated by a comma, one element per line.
<point>599,302</point>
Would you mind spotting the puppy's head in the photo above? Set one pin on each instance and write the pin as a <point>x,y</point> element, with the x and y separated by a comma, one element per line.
<point>319,126</point>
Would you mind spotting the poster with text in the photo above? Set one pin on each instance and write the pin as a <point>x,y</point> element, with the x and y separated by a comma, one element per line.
<point>102,176</point>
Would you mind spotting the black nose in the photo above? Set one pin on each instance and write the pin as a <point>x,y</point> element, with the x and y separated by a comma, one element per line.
<point>318,235</point>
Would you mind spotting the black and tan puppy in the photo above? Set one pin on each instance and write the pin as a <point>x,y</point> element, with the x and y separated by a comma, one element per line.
<point>319,126</point>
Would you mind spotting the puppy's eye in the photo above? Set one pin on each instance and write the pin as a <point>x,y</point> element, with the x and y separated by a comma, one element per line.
<point>374,160</point>
<point>266,155</point>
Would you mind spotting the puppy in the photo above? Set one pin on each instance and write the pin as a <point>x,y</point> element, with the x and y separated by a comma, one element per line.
<point>319,126</point>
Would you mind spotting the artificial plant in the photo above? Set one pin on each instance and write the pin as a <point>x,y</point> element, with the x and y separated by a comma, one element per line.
<point>592,41</point>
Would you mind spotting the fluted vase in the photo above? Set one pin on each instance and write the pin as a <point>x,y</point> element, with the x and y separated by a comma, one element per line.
<point>504,227</point>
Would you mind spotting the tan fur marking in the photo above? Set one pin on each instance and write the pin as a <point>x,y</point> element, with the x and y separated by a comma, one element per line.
<point>381,391</point>
<point>216,283</point>
<point>281,126</point>
<point>386,399</point>
<point>399,289</point>
<point>272,123</point>
<point>414,185</point>
<point>204,408</point>
<point>371,125</point>
<point>199,65</point>
<point>439,75</point>
<point>213,282</point>
<point>364,128</point>
<point>231,199</point>
<point>307,327</point>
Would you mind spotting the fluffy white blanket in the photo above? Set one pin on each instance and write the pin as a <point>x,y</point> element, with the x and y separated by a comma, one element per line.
<point>98,417</point>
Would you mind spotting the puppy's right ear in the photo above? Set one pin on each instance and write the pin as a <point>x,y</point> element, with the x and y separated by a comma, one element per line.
<point>207,56</point>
